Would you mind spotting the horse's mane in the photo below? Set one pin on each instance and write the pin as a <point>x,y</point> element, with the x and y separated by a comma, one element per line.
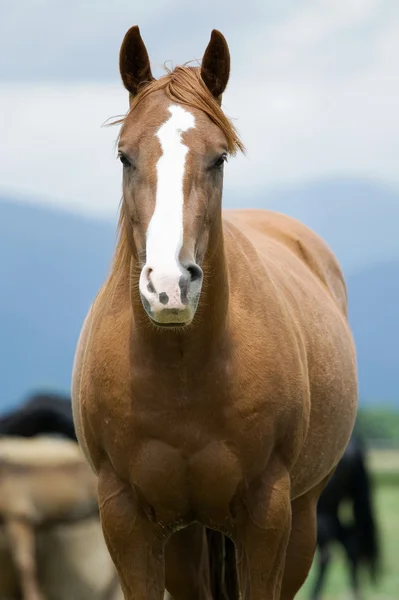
<point>183,85</point>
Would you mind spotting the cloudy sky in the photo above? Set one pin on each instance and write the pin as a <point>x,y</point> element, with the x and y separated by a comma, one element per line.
<point>314,90</point>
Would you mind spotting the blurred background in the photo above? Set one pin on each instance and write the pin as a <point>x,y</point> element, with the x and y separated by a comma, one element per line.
<point>314,93</point>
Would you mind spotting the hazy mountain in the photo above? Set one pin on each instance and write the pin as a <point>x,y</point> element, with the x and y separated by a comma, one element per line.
<point>374,317</point>
<point>53,263</point>
<point>50,269</point>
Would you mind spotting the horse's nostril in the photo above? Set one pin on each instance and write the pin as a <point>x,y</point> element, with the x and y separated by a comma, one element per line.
<point>195,272</point>
<point>163,298</point>
<point>150,285</point>
<point>150,288</point>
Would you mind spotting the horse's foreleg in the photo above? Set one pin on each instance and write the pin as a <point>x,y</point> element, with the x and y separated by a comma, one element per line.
<point>22,541</point>
<point>263,529</point>
<point>187,564</point>
<point>135,543</point>
<point>302,545</point>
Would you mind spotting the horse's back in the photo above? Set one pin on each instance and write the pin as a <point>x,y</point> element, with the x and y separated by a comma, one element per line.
<point>291,240</point>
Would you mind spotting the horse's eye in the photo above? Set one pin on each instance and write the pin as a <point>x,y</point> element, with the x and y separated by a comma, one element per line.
<point>218,164</point>
<point>124,160</point>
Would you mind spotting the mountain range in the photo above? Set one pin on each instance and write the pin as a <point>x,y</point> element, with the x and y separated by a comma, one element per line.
<point>52,264</point>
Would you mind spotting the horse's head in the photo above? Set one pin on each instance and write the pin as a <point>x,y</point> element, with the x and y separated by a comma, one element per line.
<point>173,145</point>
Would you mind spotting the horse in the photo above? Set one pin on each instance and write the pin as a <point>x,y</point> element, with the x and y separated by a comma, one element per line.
<point>351,483</point>
<point>42,413</point>
<point>45,483</point>
<point>70,558</point>
<point>72,562</point>
<point>214,385</point>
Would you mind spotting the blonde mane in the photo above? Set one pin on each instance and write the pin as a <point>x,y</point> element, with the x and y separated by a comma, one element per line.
<point>183,85</point>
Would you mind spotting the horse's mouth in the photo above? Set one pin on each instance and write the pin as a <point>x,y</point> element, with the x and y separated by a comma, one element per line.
<point>169,325</point>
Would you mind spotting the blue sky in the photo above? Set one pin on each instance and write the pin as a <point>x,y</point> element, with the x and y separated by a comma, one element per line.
<point>314,90</point>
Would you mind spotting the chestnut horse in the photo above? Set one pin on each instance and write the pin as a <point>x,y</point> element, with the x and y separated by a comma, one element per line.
<point>214,384</point>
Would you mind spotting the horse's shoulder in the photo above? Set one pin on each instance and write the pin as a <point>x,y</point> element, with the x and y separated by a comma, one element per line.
<point>99,354</point>
<point>101,336</point>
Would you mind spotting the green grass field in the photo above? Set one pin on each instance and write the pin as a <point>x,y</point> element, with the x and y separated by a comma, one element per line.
<point>385,469</point>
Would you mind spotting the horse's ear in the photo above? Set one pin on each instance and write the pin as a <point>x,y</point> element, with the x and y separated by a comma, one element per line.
<point>215,68</point>
<point>134,64</point>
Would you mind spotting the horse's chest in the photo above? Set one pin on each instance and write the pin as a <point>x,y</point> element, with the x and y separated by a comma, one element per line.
<point>177,485</point>
<point>190,450</point>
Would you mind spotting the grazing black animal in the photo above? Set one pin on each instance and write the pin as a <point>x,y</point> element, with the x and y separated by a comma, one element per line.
<point>350,482</point>
<point>42,413</point>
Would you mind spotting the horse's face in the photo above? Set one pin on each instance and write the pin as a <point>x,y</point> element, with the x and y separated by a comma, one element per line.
<point>173,158</point>
<point>173,161</point>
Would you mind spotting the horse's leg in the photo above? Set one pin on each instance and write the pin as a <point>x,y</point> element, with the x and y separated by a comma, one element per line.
<point>263,529</point>
<point>22,541</point>
<point>323,563</point>
<point>187,564</point>
<point>325,534</point>
<point>350,546</point>
<point>302,543</point>
<point>135,542</point>
<point>353,570</point>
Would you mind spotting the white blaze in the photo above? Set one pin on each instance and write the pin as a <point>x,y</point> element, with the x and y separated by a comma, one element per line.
<point>165,231</point>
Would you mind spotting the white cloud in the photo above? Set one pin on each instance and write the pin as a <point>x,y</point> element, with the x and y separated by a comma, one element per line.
<point>314,94</point>
<point>53,147</point>
<point>313,21</point>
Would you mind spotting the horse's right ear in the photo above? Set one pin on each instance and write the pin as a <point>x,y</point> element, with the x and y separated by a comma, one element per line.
<point>134,64</point>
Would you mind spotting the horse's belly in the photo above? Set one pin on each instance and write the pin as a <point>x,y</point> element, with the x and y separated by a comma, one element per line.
<point>326,443</point>
<point>180,487</point>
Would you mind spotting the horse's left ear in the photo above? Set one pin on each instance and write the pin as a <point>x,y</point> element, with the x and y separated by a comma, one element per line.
<point>215,68</point>
<point>134,64</point>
